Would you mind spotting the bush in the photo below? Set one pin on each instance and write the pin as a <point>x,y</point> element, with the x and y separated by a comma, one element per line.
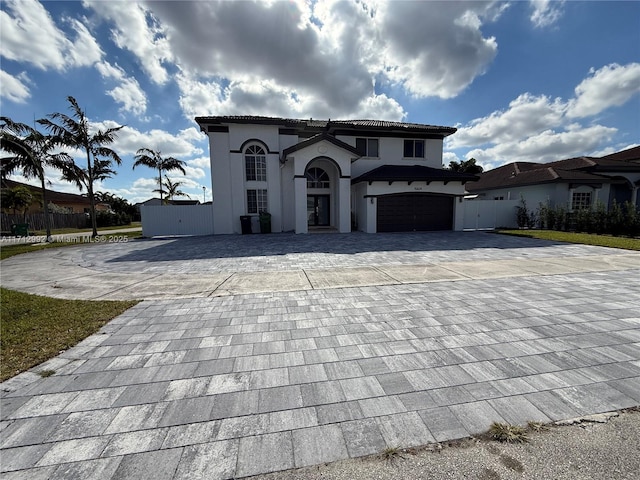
<point>525,218</point>
<point>110,219</point>
<point>619,220</point>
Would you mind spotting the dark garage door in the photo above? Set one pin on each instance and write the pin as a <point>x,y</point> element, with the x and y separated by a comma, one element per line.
<point>415,212</point>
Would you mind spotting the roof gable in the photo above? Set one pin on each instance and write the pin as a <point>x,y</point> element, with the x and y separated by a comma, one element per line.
<point>320,138</point>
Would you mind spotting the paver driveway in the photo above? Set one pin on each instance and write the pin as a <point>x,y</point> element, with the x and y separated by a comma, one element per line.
<point>371,341</point>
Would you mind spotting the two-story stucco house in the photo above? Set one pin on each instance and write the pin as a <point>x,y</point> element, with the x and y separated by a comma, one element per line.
<point>368,175</point>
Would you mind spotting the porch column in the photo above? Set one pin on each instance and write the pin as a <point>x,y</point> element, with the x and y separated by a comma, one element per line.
<point>300,199</point>
<point>344,205</point>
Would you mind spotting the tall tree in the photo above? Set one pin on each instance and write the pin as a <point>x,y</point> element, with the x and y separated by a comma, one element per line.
<point>465,166</point>
<point>75,132</point>
<point>154,159</point>
<point>30,153</point>
<point>172,189</point>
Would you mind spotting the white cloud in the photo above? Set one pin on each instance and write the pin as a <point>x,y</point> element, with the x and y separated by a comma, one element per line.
<point>319,59</point>
<point>546,146</point>
<point>14,88</point>
<point>138,31</point>
<point>128,92</point>
<point>546,12</point>
<point>194,172</point>
<point>525,114</point>
<point>201,162</point>
<point>30,35</point>
<point>541,129</point>
<point>202,98</point>
<point>130,140</point>
<point>441,54</point>
<point>85,50</point>
<point>612,85</point>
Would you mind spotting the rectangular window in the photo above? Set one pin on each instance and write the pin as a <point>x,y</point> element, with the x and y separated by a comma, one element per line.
<point>257,201</point>
<point>581,201</point>
<point>367,147</point>
<point>256,168</point>
<point>414,148</point>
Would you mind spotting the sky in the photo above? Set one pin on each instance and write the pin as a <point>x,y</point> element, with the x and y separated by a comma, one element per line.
<point>530,81</point>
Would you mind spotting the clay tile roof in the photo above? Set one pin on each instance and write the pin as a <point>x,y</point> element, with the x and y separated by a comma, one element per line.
<point>327,124</point>
<point>628,155</point>
<point>508,176</point>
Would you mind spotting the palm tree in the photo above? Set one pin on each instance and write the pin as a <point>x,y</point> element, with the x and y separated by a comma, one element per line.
<point>154,159</point>
<point>30,152</point>
<point>171,189</point>
<point>74,131</point>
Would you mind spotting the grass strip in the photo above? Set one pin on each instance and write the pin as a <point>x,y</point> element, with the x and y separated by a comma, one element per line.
<point>572,237</point>
<point>11,249</point>
<point>34,329</point>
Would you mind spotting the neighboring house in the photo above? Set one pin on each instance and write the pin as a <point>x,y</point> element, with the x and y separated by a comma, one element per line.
<point>576,183</point>
<point>67,202</point>
<point>369,175</point>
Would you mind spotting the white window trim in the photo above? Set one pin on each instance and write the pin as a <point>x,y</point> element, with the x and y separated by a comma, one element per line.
<point>246,154</point>
<point>260,202</point>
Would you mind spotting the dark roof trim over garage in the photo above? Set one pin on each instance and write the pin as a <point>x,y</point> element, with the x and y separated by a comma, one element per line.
<point>412,173</point>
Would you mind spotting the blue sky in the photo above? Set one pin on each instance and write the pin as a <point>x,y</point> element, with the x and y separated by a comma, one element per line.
<point>522,81</point>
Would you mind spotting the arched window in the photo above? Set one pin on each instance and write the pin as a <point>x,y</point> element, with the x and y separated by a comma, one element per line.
<point>255,163</point>
<point>317,178</point>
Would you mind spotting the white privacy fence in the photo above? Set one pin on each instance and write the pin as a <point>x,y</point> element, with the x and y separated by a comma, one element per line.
<point>165,220</point>
<point>489,214</point>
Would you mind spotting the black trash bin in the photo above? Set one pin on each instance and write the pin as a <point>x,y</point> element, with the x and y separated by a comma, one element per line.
<point>265,222</point>
<point>245,222</point>
<point>20,229</point>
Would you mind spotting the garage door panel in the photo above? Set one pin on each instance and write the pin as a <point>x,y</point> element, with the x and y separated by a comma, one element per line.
<point>410,212</point>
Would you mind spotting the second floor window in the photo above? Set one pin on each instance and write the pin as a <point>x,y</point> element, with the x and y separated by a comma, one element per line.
<point>414,149</point>
<point>367,147</point>
<point>255,163</point>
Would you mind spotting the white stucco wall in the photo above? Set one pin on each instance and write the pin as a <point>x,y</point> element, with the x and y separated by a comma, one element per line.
<point>221,183</point>
<point>168,220</point>
<point>391,152</point>
<point>552,193</point>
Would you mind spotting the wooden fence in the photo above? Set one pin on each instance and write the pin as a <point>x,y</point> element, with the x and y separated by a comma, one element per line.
<point>36,220</point>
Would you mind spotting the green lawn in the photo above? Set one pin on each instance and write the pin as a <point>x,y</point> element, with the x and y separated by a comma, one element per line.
<point>61,231</point>
<point>35,328</point>
<point>583,238</point>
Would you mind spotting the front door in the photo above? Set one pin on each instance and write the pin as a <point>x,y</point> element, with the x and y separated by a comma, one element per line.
<point>318,210</point>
